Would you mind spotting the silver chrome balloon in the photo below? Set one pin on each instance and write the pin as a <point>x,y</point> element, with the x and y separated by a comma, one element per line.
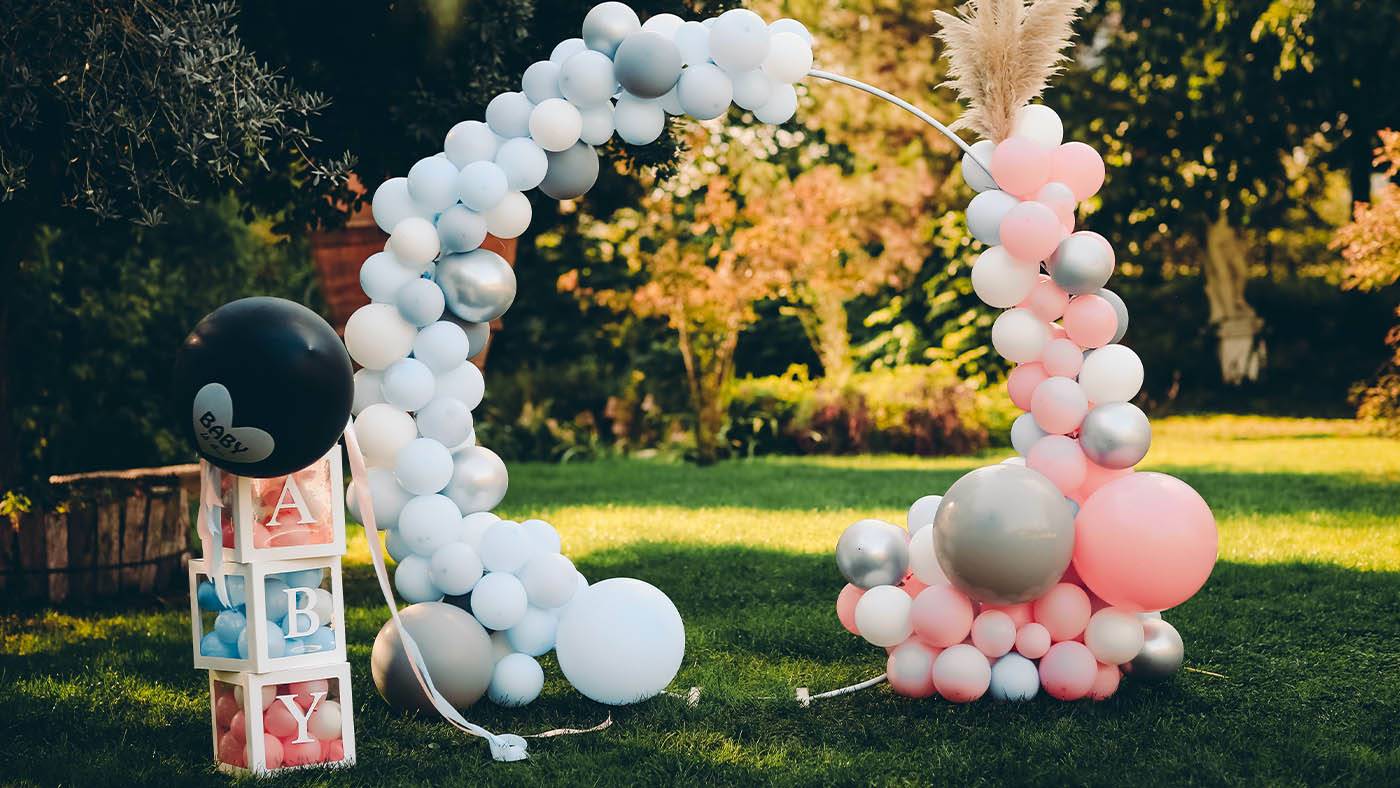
<point>607,25</point>
<point>479,480</point>
<point>1115,435</point>
<point>479,286</point>
<point>1119,307</point>
<point>455,649</point>
<point>873,553</point>
<point>1162,651</point>
<point>1004,534</point>
<point>1081,264</point>
<point>571,173</point>
<point>647,64</point>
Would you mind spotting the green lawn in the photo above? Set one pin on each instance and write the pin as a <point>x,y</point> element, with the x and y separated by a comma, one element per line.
<point>1301,620</point>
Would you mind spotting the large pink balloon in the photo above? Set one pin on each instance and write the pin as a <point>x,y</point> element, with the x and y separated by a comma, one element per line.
<point>1021,167</point>
<point>1079,167</point>
<point>1068,670</point>
<point>1145,541</point>
<point>1022,382</point>
<point>1030,232</point>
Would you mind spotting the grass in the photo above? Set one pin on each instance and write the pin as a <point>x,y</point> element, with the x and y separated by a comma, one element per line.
<point>1301,620</point>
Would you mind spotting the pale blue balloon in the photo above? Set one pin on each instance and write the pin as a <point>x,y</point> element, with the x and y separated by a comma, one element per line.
<point>482,185</point>
<point>705,91</point>
<point>534,634</point>
<point>303,578</point>
<point>323,639</point>
<point>508,115</point>
<point>541,81</point>
<point>1014,678</point>
<point>524,164</point>
<point>273,634</point>
<point>461,229</point>
<point>431,183</point>
<point>211,646</point>
<point>276,598</point>
<point>228,625</point>
<point>395,545</point>
<point>208,597</point>
<point>237,594</point>
<point>587,79</point>
<point>420,302</point>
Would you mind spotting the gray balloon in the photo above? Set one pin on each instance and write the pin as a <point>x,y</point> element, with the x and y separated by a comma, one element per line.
<point>572,172</point>
<point>1162,652</point>
<point>479,285</point>
<point>1115,435</point>
<point>1118,307</point>
<point>478,334</point>
<point>1024,433</point>
<point>1081,264</point>
<point>1004,534</point>
<point>455,649</point>
<point>873,553</point>
<point>607,25</point>
<point>648,64</point>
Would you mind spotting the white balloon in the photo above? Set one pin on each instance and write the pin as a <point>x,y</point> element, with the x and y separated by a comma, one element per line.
<point>510,217</point>
<point>508,114</point>
<point>414,243</point>
<point>587,79</point>
<point>455,567</point>
<point>555,125</point>
<point>524,164</point>
<point>1024,433</point>
<point>469,141</point>
<point>739,40</point>
<point>367,391</point>
<point>382,430</point>
<point>882,616</point>
<point>566,49</point>
<point>424,467</point>
<point>1018,460</point>
<point>985,212</point>
<point>387,496</point>
<point>752,89</point>
<point>543,533</point>
<point>447,421</point>
<point>549,579</point>
<point>323,606</point>
<point>479,479</point>
<point>704,92</point>
<point>441,346</point>
<point>413,579</point>
<point>910,663</point>
<point>921,513</point>
<point>640,121</point>
<point>786,25</point>
<point>507,547</point>
<point>1015,678</point>
<point>663,24</point>
<point>1001,280</point>
<point>1018,335</point>
<point>923,557</point>
<point>1039,124</point>
<point>541,81</point>
<point>474,527</point>
<point>789,57</point>
<point>693,41</point>
<point>463,382</point>
<point>780,107</point>
<point>376,335</point>
<point>498,600</point>
<point>482,185</point>
<point>534,635</point>
<point>420,301</point>
<point>392,204</point>
<point>517,681</point>
<point>620,641</point>
<point>1112,373</point>
<point>382,275</point>
<point>408,384</point>
<point>431,183</point>
<point>1114,636</point>
<point>325,722</point>
<point>974,174</point>
<point>461,229</point>
<point>597,126</point>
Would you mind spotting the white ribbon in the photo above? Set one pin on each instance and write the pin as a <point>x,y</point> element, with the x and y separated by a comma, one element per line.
<point>210,527</point>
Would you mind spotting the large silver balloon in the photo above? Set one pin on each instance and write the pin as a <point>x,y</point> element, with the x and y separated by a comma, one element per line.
<point>1081,264</point>
<point>647,64</point>
<point>479,286</point>
<point>1162,651</point>
<point>607,25</point>
<point>479,480</point>
<point>1115,435</point>
<point>455,648</point>
<point>873,553</point>
<point>1119,307</point>
<point>572,172</point>
<point>1004,534</point>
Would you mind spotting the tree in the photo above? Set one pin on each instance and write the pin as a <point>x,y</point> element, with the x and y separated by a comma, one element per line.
<point>121,111</point>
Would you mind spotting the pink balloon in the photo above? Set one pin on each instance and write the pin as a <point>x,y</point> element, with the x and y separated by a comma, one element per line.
<point>1059,459</point>
<point>1060,199</point>
<point>962,673</point>
<point>230,750</point>
<point>1059,405</point>
<point>1064,611</point>
<point>238,727</point>
<point>1106,680</point>
<point>305,689</point>
<point>1145,542</point>
<point>1091,321</point>
<point>225,706</point>
<point>273,757</point>
<point>846,606</point>
<point>1068,670</point>
<point>993,633</point>
<point>913,586</point>
<point>1062,357</point>
<point>1022,382</point>
<point>1058,331</point>
<point>1030,232</point>
<point>1020,612</point>
<point>1020,166</point>
<point>1096,476</point>
<point>332,751</point>
<point>1046,301</point>
<point>942,616</point>
<point>1032,640</point>
<point>1079,167</point>
<point>278,721</point>
<point>910,669</point>
<point>295,753</point>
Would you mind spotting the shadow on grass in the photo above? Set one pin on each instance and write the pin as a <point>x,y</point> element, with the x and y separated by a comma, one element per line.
<point>1311,693</point>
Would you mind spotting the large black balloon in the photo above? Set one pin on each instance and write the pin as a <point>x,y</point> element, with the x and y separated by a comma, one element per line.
<point>268,384</point>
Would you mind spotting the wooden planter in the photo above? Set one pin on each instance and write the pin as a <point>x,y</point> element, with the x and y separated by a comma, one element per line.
<point>113,532</point>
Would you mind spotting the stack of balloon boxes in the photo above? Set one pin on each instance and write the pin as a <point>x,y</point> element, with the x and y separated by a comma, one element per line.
<point>279,683</point>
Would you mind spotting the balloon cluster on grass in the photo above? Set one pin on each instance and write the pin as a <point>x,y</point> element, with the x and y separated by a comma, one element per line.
<point>1049,570</point>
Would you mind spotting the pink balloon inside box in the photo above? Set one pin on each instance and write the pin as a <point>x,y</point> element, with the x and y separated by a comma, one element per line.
<point>269,722</point>
<point>300,515</point>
